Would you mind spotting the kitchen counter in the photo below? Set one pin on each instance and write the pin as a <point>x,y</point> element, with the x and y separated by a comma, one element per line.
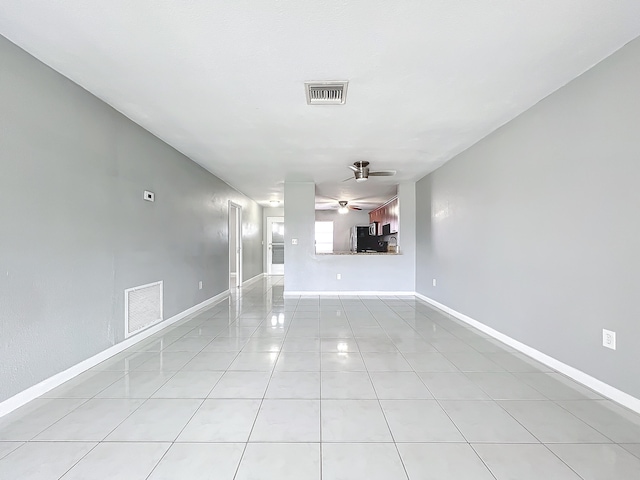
<point>359,253</point>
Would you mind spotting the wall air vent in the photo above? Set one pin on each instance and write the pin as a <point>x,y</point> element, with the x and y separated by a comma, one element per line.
<point>326,93</point>
<point>142,307</point>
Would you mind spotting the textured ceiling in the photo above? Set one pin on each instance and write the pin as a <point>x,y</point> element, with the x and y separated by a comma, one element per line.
<point>223,81</point>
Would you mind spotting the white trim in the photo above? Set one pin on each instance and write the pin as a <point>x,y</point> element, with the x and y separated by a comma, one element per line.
<point>325,293</point>
<point>587,380</point>
<point>58,379</point>
<point>253,279</point>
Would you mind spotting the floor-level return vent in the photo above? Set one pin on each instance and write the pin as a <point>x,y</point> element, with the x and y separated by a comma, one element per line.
<point>142,307</point>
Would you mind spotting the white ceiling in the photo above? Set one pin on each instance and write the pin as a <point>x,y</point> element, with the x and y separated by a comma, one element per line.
<point>223,81</point>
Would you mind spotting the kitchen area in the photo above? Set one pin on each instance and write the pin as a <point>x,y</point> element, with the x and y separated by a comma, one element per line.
<point>337,269</point>
<point>360,232</point>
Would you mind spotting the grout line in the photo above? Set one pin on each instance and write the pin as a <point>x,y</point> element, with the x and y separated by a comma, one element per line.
<point>258,411</point>
<point>395,444</point>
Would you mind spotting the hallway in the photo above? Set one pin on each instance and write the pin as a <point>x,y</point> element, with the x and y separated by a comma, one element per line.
<point>266,387</point>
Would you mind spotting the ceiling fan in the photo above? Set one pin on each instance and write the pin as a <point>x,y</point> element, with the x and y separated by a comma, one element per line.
<point>345,207</point>
<point>361,172</point>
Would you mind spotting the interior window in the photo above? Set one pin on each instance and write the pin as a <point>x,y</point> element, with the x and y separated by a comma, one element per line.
<point>324,237</point>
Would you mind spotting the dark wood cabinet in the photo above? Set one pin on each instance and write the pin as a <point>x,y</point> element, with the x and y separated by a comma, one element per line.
<point>386,213</point>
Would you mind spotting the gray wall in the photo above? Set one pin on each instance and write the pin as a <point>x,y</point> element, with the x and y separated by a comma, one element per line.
<point>535,230</point>
<point>307,272</point>
<point>75,232</point>
<point>342,224</point>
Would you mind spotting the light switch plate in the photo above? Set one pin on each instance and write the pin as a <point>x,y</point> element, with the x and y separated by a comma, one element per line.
<point>294,241</point>
<point>149,196</point>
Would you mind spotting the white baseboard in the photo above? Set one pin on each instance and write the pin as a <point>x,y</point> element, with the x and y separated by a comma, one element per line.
<point>253,279</point>
<point>58,379</point>
<point>587,380</point>
<point>345,293</point>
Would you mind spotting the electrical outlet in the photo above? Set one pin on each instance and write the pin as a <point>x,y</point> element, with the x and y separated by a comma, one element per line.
<point>149,196</point>
<point>339,276</point>
<point>609,339</point>
<point>294,241</point>
<point>200,285</point>
<point>434,282</point>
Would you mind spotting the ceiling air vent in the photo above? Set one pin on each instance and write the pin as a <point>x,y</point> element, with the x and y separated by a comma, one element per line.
<point>326,93</point>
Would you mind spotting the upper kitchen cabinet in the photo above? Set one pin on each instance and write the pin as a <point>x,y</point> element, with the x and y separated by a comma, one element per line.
<point>386,213</point>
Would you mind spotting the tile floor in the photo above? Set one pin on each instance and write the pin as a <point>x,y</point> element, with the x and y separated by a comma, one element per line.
<point>261,387</point>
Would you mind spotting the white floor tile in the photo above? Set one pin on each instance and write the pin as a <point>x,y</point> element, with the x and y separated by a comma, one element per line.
<point>556,386</point>
<point>301,345</point>
<point>125,361</point>
<point>92,421</point>
<point>199,461</point>
<point>347,385</point>
<point>136,384</point>
<point>430,362</point>
<point>298,362</point>
<point>355,373</point>
<point>386,362</point>
<point>165,361</point>
<point>484,421</point>
<point>221,421</point>
<point>280,461</point>
<point>31,419</point>
<point>399,385</point>
<point>86,385</point>
<point>241,385</point>
<point>210,361</point>
<point>157,420</point>
<point>443,461</point>
<point>342,362</point>
<point>524,462</point>
<point>599,462</point>
<point>287,421</point>
<point>419,421</point>
<point>254,362</point>
<point>614,421</point>
<point>353,421</point>
<point>294,385</point>
<point>339,345</point>
<point>371,461</point>
<point>551,423</point>
<point>634,448</point>
<point>118,461</point>
<point>452,386</point>
<point>473,362</point>
<point>7,447</point>
<point>504,386</point>
<point>42,460</point>
<point>187,384</point>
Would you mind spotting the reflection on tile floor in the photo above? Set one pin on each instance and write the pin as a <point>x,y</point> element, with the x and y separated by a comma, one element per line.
<point>262,387</point>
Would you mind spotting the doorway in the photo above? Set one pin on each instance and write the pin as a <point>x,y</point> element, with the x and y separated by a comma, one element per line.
<point>275,245</point>
<point>235,246</point>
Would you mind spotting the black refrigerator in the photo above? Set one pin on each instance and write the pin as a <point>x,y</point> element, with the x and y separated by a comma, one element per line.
<point>361,241</point>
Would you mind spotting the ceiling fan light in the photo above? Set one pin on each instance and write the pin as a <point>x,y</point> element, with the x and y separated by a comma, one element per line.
<point>343,210</point>
<point>361,179</point>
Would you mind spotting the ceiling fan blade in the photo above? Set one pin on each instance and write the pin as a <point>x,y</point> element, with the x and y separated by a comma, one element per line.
<point>355,169</point>
<point>383,173</point>
<point>354,208</point>
<point>347,179</point>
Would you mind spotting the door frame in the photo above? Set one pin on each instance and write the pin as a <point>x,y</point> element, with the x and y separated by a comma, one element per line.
<point>236,211</point>
<point>268,229</point>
